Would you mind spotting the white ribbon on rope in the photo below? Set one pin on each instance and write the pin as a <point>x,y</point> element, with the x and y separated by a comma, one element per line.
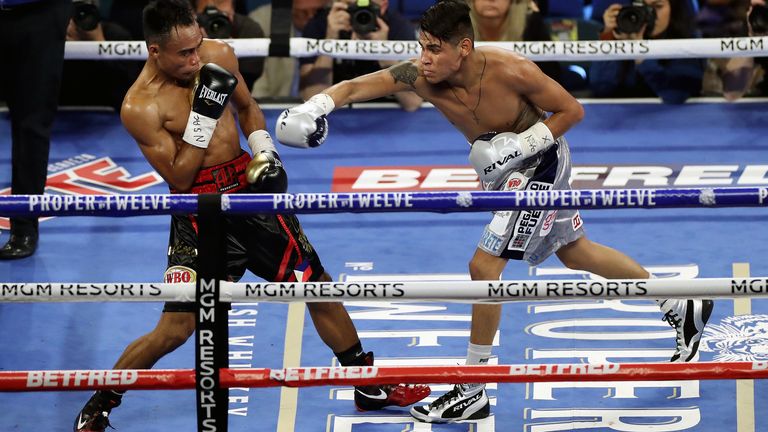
<point>583,50</point>
<point>443,291</point>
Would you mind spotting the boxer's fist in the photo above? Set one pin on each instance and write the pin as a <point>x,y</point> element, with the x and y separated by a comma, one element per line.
<point>495,155</point>
<point>305,125</point>
<point>265,173</point>
<point>209,100</point>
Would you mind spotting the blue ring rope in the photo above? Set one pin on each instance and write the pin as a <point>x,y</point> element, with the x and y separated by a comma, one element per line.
<point>381,202</point>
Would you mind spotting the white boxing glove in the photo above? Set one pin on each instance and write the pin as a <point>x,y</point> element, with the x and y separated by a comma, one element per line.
<point>535,139</point>
<point>495,155</point>
<point>305,125</point>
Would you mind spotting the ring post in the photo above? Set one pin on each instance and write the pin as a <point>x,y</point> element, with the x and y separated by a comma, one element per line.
<point>212,335</point>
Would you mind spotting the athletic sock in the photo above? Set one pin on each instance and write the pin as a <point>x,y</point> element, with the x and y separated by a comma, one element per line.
<point>354,356</point>
<point>477,355</point>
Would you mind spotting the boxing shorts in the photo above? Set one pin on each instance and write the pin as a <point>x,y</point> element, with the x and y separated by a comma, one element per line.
<point>273,247</point>
<point>534,235</point>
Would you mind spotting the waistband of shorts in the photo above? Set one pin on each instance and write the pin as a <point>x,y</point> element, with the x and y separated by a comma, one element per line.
<point>227,177</point>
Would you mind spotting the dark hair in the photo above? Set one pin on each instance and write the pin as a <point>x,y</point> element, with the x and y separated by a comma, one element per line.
<point>448,20</point>
<point>681,21</point>
<point>162,16</point>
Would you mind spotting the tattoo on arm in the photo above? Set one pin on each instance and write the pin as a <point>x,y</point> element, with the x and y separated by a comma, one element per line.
<point>405,72</point>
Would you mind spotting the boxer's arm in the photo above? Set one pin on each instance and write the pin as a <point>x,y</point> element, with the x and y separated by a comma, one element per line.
<point>178,166</point>
<point>265,172</point>
<point>249,115</point>
<point>398,78</point>
<point>526,79</point>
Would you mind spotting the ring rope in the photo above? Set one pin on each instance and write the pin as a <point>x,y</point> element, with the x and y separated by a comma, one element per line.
<point>376,202</point>
<point>179,379</point>
<point>444,291</point>
<point>583,50</point>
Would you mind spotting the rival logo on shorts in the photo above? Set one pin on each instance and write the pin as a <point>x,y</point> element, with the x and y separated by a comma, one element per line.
<point>179,274</point>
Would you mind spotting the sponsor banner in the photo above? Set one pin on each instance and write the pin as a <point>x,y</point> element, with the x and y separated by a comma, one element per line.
<point>403,50</point>
<point>89,175</point>
<point>320,373</point>
<point>80,378</point>
<point>445,178</point>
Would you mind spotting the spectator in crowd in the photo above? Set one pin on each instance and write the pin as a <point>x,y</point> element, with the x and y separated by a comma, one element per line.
<point>319,73</point>
<point>739,76</point>
<point>127,13</point>
<point>32,37</point>
<point>722,18</point>
<point>512,20</point>
<point>93,82</point>
<point>219,20</point>
<point>280,78</point>
<point>673,80</point>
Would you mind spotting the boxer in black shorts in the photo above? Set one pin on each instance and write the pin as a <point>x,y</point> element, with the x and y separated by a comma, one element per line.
<point>181,111</point>
<point>273,247</point>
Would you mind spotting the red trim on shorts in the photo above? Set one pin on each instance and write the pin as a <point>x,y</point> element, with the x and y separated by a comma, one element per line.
<point>292,245</point>
<point>225,177</point>
<point>307,274</point>
<point>193,221</point>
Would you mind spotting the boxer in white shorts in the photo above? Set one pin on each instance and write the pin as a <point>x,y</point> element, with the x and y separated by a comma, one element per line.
<point>496,98</point>
<point>533,235</point>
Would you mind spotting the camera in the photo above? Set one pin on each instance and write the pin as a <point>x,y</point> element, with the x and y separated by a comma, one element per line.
<point>758,20</point>
<point>215,22</point>
<point>362,15</point>
<point>85,14</point>
<point>632,18</point>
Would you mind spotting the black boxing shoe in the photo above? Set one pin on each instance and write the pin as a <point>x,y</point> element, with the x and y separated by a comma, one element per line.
<point>19,246</point>
<point>376,397</point>
<point>94,417</point>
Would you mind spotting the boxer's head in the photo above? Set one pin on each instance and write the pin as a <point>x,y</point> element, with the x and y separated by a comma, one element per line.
<point>446,39</point>
<point>173,37</point>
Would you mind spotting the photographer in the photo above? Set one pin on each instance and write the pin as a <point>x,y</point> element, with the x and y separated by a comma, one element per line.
<point>219,20</point>
<point>353,20</point>
<point>742,76</point>
<point>93,82</point>
<point>673,80</point>
<point>281,74</point>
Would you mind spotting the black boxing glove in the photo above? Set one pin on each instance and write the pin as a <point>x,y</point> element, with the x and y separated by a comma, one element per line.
<point>265,171</point>
<point>209,100</point>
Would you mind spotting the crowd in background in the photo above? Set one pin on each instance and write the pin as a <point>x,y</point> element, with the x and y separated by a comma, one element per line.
<point>41,28</point>
<point>281,78</point>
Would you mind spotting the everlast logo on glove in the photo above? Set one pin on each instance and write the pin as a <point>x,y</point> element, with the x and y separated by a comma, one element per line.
<point>208,94</point>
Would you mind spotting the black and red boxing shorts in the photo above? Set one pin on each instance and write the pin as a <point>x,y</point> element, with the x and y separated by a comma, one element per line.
<point>273,247</point>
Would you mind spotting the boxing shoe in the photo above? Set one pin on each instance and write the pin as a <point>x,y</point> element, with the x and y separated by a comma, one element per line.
<point>464,402</point>
<point>19,246</point>
<point>371,398</point>
<point>94,417</point>
<point>688,318</point>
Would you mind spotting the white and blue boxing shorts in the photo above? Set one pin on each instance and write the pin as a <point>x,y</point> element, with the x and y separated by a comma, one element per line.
<point>534,235</point>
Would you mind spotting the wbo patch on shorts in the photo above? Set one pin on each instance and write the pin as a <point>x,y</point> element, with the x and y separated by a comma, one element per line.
<point>179,274</point>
